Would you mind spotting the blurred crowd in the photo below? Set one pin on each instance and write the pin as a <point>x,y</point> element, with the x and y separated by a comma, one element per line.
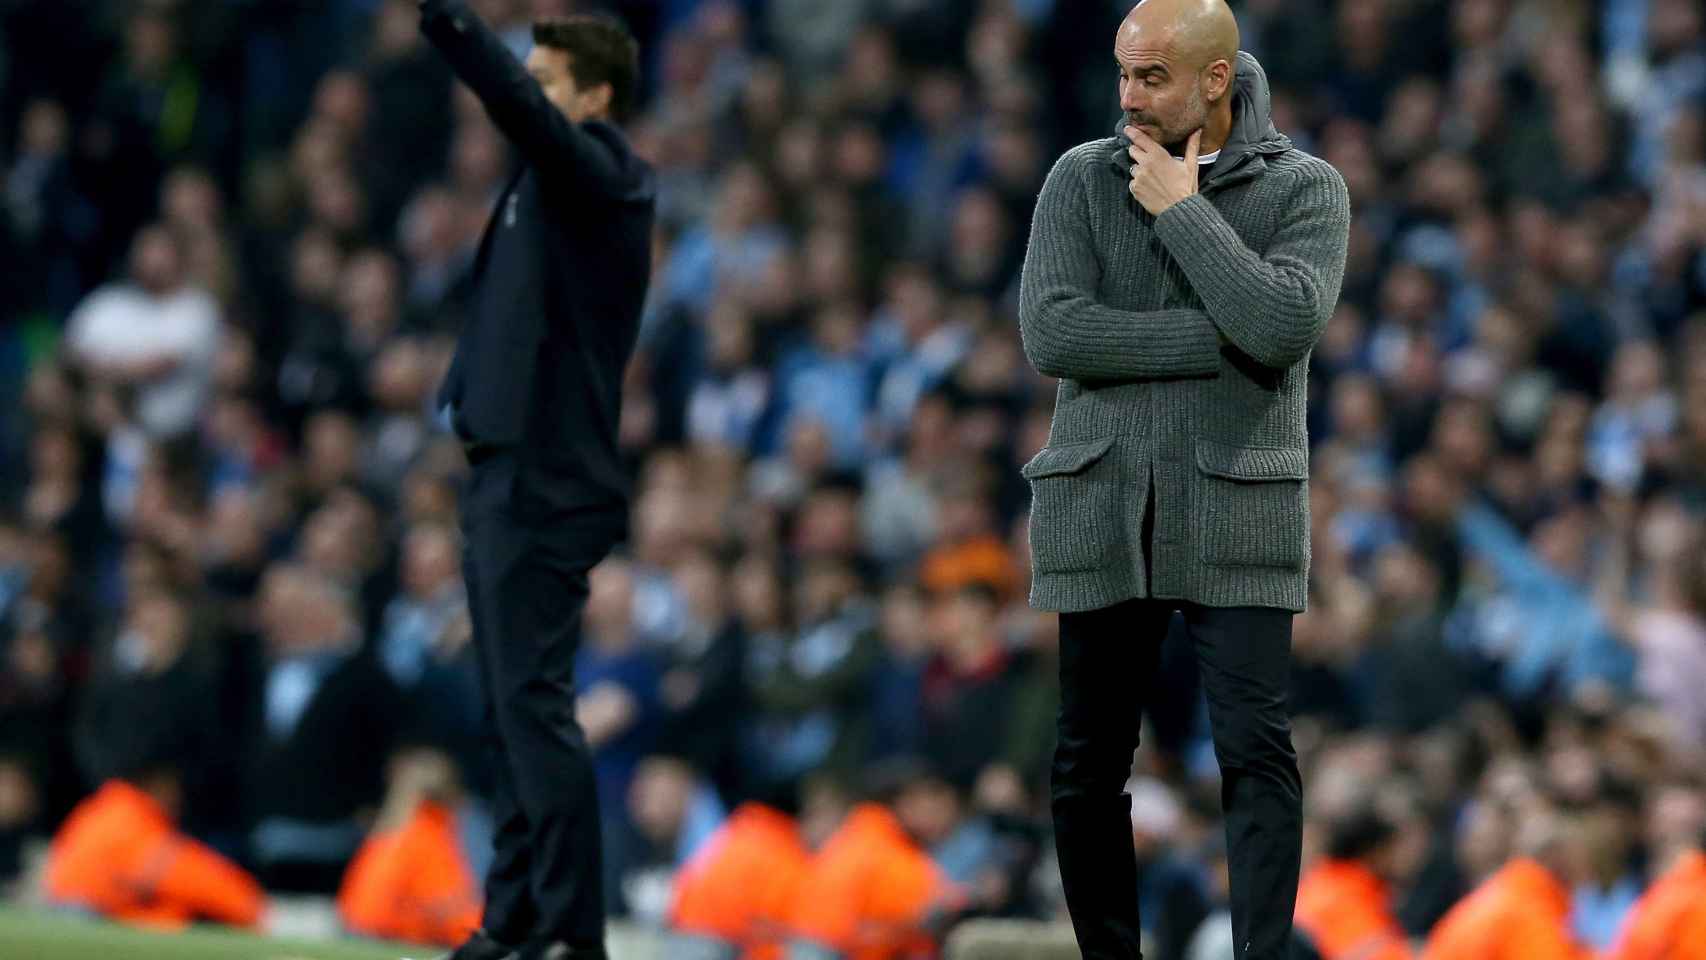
<point>233,246</point>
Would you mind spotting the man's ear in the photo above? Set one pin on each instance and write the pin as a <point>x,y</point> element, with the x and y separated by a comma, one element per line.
<point>600,99</point>
<point>1219,80</point>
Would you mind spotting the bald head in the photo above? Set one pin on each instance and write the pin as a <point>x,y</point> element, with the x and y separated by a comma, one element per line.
<point>1199,31</point>
<point>1176,61</point>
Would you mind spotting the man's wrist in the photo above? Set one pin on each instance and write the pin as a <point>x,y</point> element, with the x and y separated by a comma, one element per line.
<point>1174,202</point>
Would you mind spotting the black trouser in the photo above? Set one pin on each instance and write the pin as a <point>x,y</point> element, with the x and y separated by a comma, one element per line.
<point>1107,658</point>
<point>527,586</point>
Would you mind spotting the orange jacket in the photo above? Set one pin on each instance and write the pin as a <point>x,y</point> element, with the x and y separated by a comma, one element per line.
<point>1519,913</point>
<point>1345,909</point>
<point>412,883</point>
<point>120,855</point>
<point>1691,933</point>
<point>740,885</point>
<point>869,891</point>
<point>983,559</point>
<point>1671,909</point>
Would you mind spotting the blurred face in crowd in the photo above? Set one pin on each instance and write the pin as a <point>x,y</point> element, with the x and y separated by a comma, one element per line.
<point>828,525</point>
<point>339,539</point>
<point>820,592</point>
<point>703,586</point>
<point>302,612</point>
<point>149,42</point>
<point>332,445</point>
<point>154,261</point>
<point>1404,579</point>
<point>1482,844</point>
<point>54,456</point>
<point>342,99</point>
<point>161,623</point>
<point>315,265</point>
<point>966,623</point>
<point>429,561</point>
<point>610,604</point>
<point>757,594</point>
<point>368,290</point>
<point>1675,820</point>
<point>929,810</point>
<point>1562,542</point>
<point>427,497</point>
<point>44,128</point>
<point>904,623</point>
<point>664,524</point>
<point>659,797</point>
<point>1674,25</point>
<point>1174,67</point>
<point>233,532</point>
<point>190,200</point>
<point>399,379</point>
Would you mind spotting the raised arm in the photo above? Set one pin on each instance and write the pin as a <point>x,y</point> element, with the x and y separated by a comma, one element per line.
<point>550,141</point>
<point>1273,306</point>
<point>1067,333</point>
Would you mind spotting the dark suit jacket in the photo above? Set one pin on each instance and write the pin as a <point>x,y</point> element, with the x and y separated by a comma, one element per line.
<point>331,763</point>
<point>559,281</point>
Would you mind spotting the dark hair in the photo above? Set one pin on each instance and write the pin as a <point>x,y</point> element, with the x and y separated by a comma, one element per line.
<point>601,50</point>
<point>1358,834</point>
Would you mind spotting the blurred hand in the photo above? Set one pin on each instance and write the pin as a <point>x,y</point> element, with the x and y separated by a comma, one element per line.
<point>604,712</point>
<point>1159,179</point>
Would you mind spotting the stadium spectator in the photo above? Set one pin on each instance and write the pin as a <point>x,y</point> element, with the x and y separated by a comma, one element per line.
<point>1523,907</point>
<point>617,703</point>
<point>870,890</point>
<point>1344,900</point>
<point>410,880</point>
<point>156,336</point>
<point>970,686</point>
<point>327,716</point>
<point>1669,913</point>
<point>703,690</point>
<point>20,811</point>
<point>738,889</point>
<point>120,854</point>
<point>151,690</point>
<point>423,645</point>
<point>671,813</point>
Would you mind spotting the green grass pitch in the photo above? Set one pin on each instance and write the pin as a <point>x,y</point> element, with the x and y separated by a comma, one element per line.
<point>35,936</point>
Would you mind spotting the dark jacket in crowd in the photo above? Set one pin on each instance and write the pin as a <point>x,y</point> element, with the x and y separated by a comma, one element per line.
<point>321,764</point>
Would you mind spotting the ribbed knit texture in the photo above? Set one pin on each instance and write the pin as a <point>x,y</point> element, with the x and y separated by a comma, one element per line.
<point>1182,343</point>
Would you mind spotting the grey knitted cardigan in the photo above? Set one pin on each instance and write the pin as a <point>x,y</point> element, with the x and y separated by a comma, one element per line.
<point>1182,346</point>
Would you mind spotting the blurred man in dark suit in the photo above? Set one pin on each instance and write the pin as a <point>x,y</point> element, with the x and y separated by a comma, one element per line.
<point>534,392</point>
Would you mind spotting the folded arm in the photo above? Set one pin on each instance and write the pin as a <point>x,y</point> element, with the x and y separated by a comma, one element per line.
<point>549,141</point>
<point>1273,307</point>
<point>1067,333</point>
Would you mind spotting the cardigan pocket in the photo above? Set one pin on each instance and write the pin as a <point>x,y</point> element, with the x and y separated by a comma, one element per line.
<point>1075,510</point>
<point>1254,505</point>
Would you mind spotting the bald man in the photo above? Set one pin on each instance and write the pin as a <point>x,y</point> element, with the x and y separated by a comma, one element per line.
<point>1178,276</point>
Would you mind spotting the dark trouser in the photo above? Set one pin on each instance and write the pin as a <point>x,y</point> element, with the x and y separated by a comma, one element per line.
<point>527,586</point>
<point>1107,657</point>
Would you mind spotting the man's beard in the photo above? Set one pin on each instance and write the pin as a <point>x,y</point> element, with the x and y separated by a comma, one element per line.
<point>1174,137</point>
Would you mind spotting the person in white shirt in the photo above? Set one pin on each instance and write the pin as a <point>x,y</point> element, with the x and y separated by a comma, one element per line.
<point>155,334</point>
